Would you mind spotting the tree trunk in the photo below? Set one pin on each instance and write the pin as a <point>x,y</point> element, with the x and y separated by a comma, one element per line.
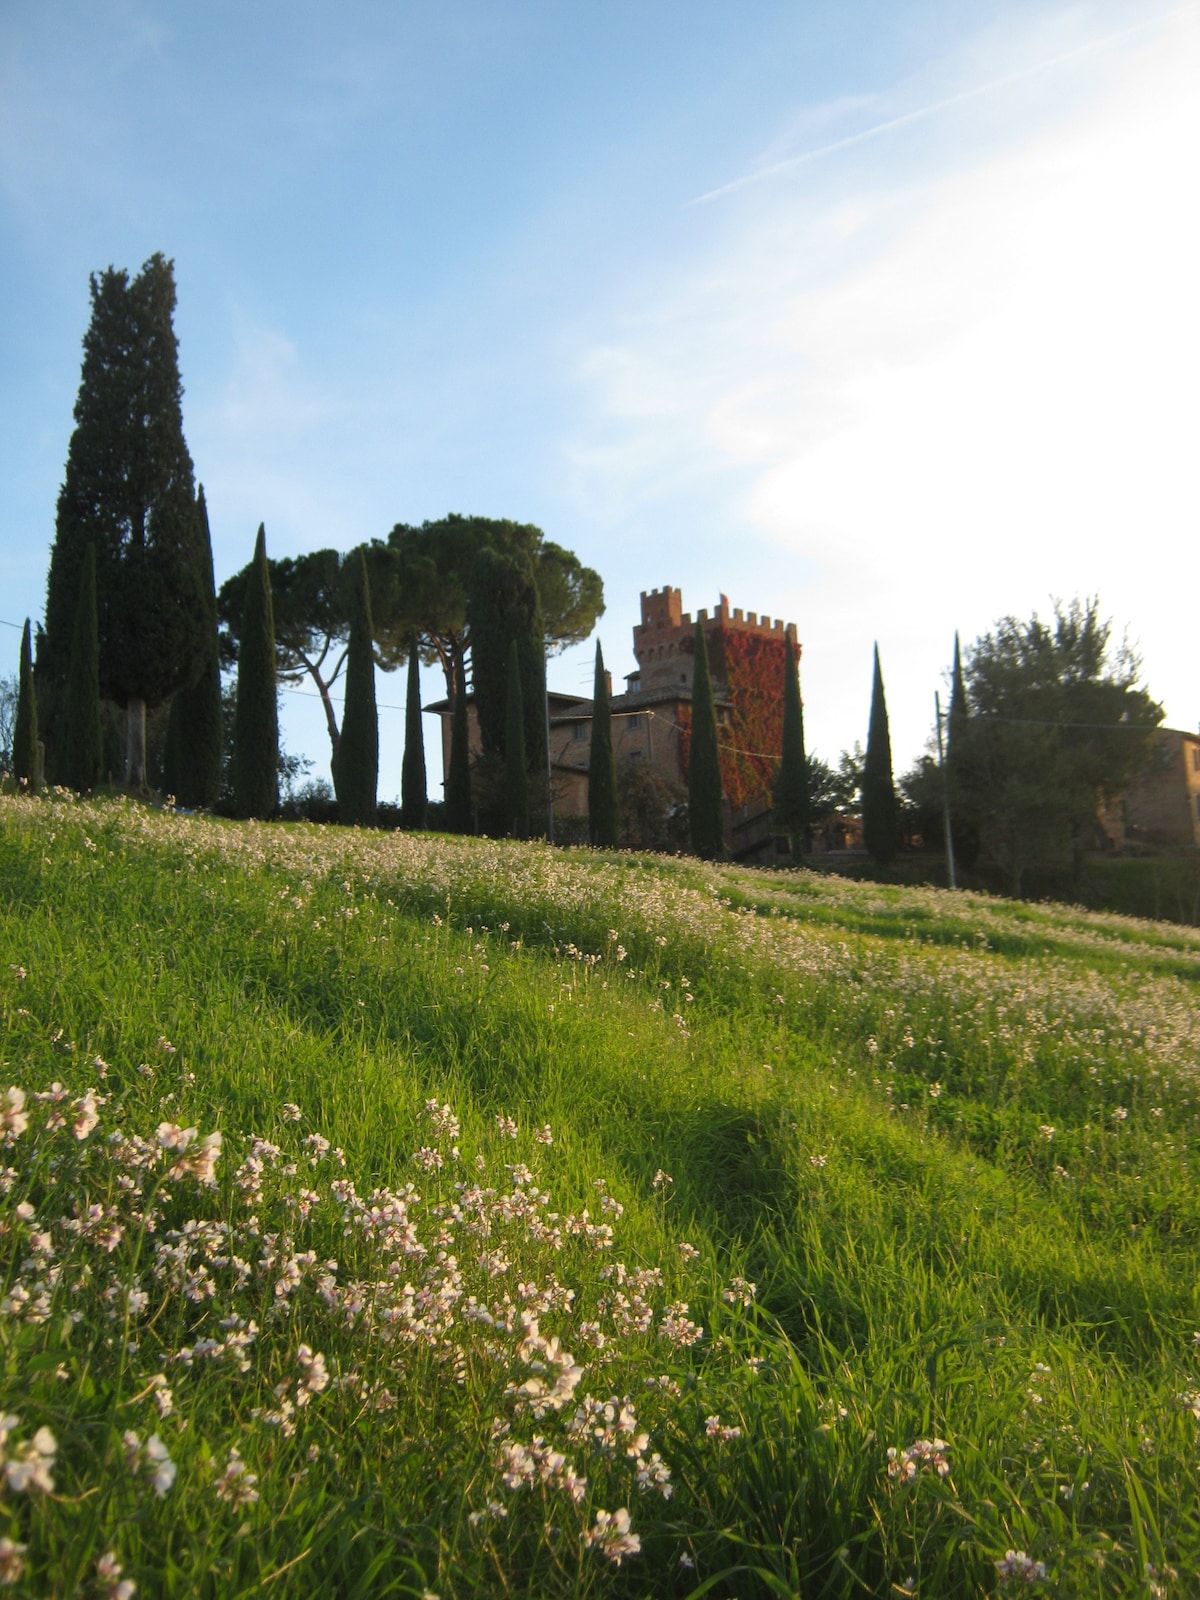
<point>135,744</point>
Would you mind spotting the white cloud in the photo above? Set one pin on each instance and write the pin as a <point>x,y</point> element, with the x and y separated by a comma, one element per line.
<point>937,398</point>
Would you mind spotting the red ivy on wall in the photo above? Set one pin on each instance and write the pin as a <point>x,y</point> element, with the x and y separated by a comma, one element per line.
<point>750,666</point>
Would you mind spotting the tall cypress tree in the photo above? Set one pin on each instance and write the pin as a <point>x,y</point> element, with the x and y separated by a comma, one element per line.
<point>129,491</point>
<point>791,799</point>
<point>25,730</point>
<point>459,807</point>
<point>504,608</point>
<point>706,823</point>
<point>604,817</point>
<point>256,713</point>
<point>881,830</point>
<point>413,798</point>
<point>356,763</point>
<point>516,776</point>
<point>964,824</point>
<point>192,758</point>
<point>78,759</point>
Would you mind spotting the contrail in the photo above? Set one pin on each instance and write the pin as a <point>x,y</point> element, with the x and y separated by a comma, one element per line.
<point>790,163</point>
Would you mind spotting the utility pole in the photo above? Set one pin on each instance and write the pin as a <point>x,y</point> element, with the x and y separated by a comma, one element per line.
<point>937,705</point>
<point>549,763</point>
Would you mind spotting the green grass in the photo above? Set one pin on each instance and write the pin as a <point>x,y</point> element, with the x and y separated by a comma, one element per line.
<point>951,1140</point>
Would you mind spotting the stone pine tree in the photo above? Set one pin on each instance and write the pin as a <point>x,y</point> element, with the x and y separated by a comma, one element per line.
<point>881,830</point>
<point>516,775</point>
<point>791,798</point>
<point>256,711</point>
<point>78,760</point>
<point>413,796</point>
<point>192,758</point>
<point>459,805</point>
<point>129,491</point>
<point>706,825</point>
<point>25,729</point>
<point>356,761</point>
<point>604,817</point>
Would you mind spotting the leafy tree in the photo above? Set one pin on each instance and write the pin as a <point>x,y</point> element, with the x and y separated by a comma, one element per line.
<point>313,600</point>
<point>459,807</point>
<point>792,810</point>
<point>256,718</point>
<point>128,490</point>
<point>1055,724</point>
<point>604,816</point>
<point>413,797</point>
<point>78,764</point>
<point>25,732</point>
<point>192,757</point>
<point>881,829</point>
<point>706,821</point>
<point>653,808</point>
<point>516,775</point>
<point>9,688</point>
<point>356,764</point>
<point>431,581</point>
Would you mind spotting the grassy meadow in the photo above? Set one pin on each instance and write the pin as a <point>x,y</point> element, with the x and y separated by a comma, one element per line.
<point>393,1215</point>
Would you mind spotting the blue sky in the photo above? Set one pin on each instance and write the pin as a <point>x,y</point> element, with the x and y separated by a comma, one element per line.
<point>880,318</point>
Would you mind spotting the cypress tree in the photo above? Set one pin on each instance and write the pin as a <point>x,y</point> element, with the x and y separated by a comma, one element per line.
<point>25,729</point>
<point>959,775</point>
<point>413,800</point>
<point>791,780</point>
<point>192,758</point>
<point>129,491</point>
<point>256,713</point>
<point>459,817</point>
<point>604,818</point>
<point>356,763</point>
<point>516,777</point>
<point>78,763</point>
<point>706,823</point>
<point>504,608</point>
<point>881,832</point>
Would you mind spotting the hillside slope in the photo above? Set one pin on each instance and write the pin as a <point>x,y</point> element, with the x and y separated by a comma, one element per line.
<point>403,1215</point>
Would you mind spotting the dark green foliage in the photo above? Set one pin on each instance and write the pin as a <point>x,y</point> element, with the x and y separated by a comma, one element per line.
<point>791,798</point>
<point>516,777</point>
<point>25,732</point>
<point>964,827</point>
<point>459,808</point>
<point>604,814</point>
<point>256,715</point>
<point>504,610</point>
<point>413,798</point>
<point>128,490</point>
<point>78,760</point>
<point>313,597</point>
<point>880,810</point>
<point>192,759</point>
<point>1057,724</point>
<point>706,822</point>
<point>430,584</point>
<point>356,761</point>
<point>881,823</point>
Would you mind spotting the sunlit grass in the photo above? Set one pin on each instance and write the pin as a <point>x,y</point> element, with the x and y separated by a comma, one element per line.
<point>949,1140</point>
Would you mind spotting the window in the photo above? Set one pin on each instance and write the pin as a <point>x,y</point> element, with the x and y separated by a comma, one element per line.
<point>1196,758</point>
<point>579,732</point>
<point>1198,808</point>
<point>634,721</point>
<point>636,755</point>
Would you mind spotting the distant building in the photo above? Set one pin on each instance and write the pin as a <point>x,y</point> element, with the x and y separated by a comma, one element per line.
<point>652,718</point>
<point>1162,809</point>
